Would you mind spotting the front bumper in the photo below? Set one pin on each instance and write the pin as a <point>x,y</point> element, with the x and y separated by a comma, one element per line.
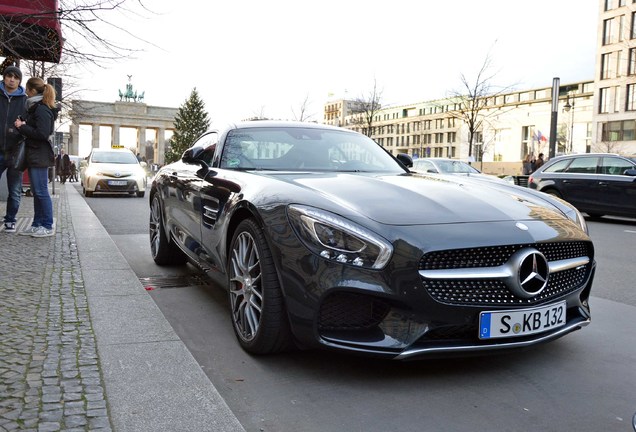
<point>398,313</point>
<point>115,185</point>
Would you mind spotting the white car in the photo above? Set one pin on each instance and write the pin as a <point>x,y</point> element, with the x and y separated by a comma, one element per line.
<point>113,171</point>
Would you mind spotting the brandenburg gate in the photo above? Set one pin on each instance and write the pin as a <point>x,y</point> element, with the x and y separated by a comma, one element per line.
<point>135,115</point>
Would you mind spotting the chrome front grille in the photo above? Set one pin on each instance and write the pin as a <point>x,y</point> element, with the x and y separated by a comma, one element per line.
<point>498,255</point>
<point>484,292</point>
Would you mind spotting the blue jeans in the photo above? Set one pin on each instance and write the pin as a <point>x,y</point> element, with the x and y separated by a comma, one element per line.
<point>14,185</point>
<point>42,203</point>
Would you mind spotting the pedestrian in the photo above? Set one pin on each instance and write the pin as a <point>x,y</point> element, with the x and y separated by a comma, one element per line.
<point>526,167</point>
<point>73,172</point>
<point>63,166</point>
<point>539,162</point>
<point>38,127</point>
<point>12,105</point>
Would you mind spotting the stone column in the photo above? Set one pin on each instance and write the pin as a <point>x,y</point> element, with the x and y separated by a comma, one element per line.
<point>74,139</point>
<point>141,140</point>
<point>161,146</point>
<point>95,135</point>
<point>114,141</point>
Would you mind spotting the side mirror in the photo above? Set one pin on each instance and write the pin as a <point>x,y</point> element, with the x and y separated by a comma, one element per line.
<point>83,163</point>
<point>143,164</point>
<point>405,159</point>
<point>630,172</point>
<point>191,156</point>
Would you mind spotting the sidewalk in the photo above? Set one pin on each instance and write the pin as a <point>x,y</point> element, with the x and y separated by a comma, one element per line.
<point>82,345</point>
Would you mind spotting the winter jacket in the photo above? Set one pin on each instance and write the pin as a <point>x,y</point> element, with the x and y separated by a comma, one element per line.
<point>39,126</point>
<point>10,108</point>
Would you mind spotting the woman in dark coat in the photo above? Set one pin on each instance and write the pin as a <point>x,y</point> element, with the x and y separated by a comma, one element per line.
<point>37,128</point>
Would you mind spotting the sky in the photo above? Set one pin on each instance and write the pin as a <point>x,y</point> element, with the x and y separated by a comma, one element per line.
<point>252,57</point>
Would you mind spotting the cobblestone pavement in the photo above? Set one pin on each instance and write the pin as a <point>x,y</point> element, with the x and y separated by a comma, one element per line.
<point>50,378</point>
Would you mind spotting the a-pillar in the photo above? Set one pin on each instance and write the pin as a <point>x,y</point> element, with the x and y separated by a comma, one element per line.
<point>114,140</point>
<point>95,136</point>
<point>141,141</point>
<point>161,146</point>
<point>74,139</point>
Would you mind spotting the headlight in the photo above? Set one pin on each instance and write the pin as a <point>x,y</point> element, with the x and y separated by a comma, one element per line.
<point>571,212</point>
<point>90,171</point>
<point>574,215</point>
<point>337,239</point>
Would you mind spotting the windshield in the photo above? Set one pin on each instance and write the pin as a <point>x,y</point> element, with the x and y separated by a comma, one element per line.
<point>455,167</point>
<point>305,149</point>
<point>115,157</point>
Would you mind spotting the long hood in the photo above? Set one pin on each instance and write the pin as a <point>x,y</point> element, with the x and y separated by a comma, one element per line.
<point>415,199</point>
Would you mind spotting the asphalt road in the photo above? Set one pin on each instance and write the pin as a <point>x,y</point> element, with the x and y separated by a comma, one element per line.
<point>585,381</point>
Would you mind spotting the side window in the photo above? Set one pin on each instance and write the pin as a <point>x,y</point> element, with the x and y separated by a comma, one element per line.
<point>557,167</point>
<point>583,165</point>
<point>208,144</point>
<point>615,166</point>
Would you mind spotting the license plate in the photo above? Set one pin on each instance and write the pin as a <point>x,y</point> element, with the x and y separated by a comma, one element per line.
<point>117,182</point>
<point>521,322</point>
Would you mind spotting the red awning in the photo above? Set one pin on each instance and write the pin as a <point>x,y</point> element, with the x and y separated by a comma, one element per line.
<point>30,29</point>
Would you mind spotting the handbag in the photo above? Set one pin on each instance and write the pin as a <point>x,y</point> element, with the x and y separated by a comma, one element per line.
<point>19,156</point>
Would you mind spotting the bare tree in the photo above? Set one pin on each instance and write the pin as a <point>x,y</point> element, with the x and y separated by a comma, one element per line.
<point>259,114</point>
<point>471,102</point>
<point>301,114</point>
<point>365,109</point>
<point>606,146</point>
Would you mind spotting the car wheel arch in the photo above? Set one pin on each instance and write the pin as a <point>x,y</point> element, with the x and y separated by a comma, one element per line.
<point>279,336</point>
<point>239,215</point>
<point>551,190</point>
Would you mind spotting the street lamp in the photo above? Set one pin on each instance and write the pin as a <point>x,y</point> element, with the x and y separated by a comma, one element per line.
<point>567,108</point>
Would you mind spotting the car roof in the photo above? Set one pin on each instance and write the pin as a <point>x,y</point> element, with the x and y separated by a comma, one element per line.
<point>277,124</point>
<point>585,155</point>
<point>111,150</point>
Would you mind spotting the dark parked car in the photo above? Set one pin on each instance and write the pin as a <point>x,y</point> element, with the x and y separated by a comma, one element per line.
<point>595,183</point>
<point>323,239</point>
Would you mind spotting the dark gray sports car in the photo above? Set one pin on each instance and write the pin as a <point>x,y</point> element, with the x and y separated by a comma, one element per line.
<point>323,239</point>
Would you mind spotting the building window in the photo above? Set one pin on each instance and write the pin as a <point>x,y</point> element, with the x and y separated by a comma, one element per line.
<point>439,138</point>
<point>630,98</point>
<point>604,100</point>
<point>631,62</point>
<point>629,127</point>
<point>607,31</point>
<point>633,27</point>
<point>527,144</point>
<point>621,27</point>
<point>605,65</point>
<point>478,152</point>
<point>608,5</point>
<point>588,138</point>
<point>451,137</point>
<point>619,131</point>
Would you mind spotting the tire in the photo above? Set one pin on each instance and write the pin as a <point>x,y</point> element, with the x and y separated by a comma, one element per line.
<point>87,194</point>
<point>141,194</point>
<point>163,250</point>
<point>257,306</point>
